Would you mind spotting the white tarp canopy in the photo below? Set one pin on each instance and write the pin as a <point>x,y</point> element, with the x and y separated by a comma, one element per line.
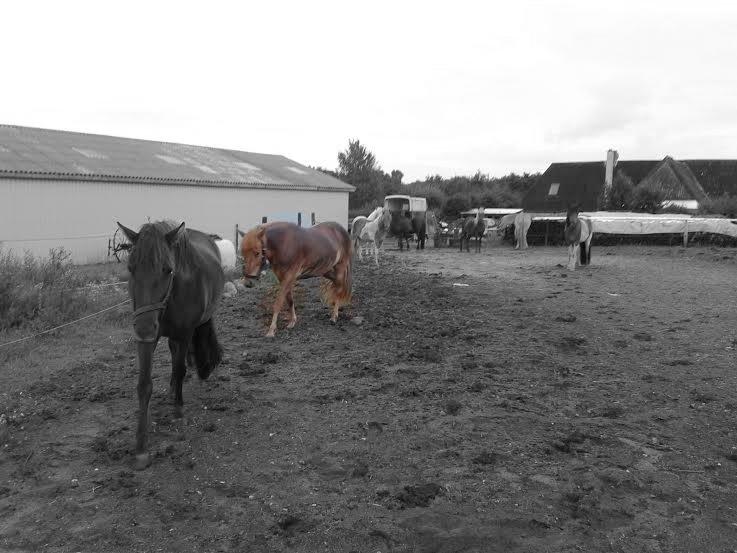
<point>605,222</point>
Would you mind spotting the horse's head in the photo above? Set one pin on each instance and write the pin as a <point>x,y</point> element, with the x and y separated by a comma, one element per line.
<point>253,251</point>
<point>572,214</point>
<point>375,213</point>
<point>152,266</point>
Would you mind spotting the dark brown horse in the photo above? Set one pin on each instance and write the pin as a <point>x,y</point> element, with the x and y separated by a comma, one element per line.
<point>176,282</point>
<point>404,227</point>
<point>473,227</point>
<point>296,253</point>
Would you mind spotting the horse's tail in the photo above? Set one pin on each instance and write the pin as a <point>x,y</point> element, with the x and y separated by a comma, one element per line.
<point>206,349</point>
<point>340,290</point>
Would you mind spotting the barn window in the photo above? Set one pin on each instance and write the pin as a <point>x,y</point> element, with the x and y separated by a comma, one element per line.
<point>554,189</point>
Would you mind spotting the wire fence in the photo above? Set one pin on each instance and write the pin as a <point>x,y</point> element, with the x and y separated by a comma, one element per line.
<point>50,330</point>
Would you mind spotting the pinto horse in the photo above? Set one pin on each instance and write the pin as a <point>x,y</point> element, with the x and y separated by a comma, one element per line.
<point>577,233</point>
<point>296,253</point>
<point>473,227</point>
<point>176,281</point>
<point>373,234</point>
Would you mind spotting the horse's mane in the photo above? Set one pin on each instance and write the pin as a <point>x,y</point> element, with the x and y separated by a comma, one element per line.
<point>152,250</point>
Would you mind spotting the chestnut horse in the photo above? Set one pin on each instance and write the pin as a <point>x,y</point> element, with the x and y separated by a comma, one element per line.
<point>296,253</point>
<point>473,227</point>
<point>577,234</point>
<point>176,281</point>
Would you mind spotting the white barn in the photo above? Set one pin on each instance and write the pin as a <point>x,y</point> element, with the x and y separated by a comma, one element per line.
<point>66,189</point>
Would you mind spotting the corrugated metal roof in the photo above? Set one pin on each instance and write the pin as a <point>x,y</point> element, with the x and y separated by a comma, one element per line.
<point>27,152</point>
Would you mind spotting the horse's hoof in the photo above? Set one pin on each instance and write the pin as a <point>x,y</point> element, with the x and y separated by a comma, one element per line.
<point>178,412</point>
<point>269,335</point>
<point>143,460</point>
<point>291,324</point>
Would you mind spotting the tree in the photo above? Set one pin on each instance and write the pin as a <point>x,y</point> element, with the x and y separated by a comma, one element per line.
<point>397,176</point>
<point>357,166</point>
<point>455,204</point>
<point>647,197</point>
<point>621,194</point>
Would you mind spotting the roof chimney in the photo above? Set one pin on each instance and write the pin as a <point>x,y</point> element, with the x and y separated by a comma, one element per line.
<point>611,162</point>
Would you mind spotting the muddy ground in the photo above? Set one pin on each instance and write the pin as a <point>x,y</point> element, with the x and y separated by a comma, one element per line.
<point>528,409</point>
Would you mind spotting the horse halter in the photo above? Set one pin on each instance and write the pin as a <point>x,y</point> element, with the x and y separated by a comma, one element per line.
<point>158,306</point>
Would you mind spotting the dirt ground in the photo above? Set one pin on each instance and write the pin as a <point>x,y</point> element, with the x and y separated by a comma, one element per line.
<point>464,403</point>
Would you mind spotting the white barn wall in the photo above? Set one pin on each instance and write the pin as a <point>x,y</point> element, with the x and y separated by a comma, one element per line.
<point>36,215</point>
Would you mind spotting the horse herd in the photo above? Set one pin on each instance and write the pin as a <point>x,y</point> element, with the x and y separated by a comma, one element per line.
<point>177,279</point>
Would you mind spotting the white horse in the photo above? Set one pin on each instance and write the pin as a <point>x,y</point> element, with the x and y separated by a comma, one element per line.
<point>373,234</point>
<point>360,222</point>
<point>521,222</point>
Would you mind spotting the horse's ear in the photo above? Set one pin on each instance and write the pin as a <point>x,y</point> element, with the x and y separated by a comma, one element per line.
<point>131,235</point>
<point>174,235</point>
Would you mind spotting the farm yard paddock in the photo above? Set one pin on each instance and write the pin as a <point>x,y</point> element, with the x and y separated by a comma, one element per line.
<point>533,409</point>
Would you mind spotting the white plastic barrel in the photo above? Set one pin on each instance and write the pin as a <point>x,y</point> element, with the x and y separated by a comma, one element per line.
<point>227,253</point>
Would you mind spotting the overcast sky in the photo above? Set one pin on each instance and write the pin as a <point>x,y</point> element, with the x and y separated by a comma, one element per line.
<point>446,87</point>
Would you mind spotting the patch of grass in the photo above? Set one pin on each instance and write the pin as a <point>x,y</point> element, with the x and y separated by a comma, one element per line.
<point>38,293</point>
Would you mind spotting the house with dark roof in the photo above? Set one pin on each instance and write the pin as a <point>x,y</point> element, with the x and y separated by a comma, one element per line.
<point>686,183</point>
<point>68,189</point>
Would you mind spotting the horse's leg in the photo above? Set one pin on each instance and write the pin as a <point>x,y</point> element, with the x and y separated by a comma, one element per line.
<point>376,252</point>
<point>178,351</point>
<point>290,305</point>
<point>571,258</point>
<point>285,288</point>
<point>145,355</point>
<point>340,281</point>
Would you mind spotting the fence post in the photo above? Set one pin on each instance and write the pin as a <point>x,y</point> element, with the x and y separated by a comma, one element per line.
<point>685,236</point>
<point>299,218</point>
<point>263,220</point>
<point>236,237</point>
<point>313,218</point>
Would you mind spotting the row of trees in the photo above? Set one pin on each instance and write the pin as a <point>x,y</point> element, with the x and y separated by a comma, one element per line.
<point>447,197</point>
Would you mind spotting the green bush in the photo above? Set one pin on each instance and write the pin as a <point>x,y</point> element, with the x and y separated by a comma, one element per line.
<point>39,292</point>
<point>723,205</point>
